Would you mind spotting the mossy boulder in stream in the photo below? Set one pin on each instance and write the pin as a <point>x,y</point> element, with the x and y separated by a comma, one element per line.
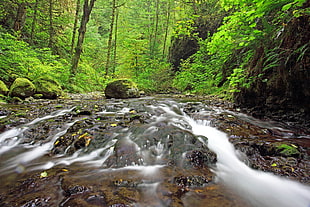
<point>3,88</point>
<point>22,88</point>
<point>48,87</point>
<point>122,89</point>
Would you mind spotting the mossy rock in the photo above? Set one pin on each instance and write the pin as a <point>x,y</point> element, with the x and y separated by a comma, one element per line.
<point>288,150</point>
<point>3,88</point>
<point>2,99</point>
<point>48,88</point>
<point>122,89</point>
<point>22,88</point>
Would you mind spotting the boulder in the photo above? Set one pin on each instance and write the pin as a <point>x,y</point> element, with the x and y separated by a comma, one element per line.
<point>48,87</point>
<point>22,88</point>
<point>3,88</point>
<point>122,89</point>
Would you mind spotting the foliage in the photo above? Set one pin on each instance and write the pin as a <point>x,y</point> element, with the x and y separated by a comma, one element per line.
<point>40,43</point>
<point>199,73</point>
<point>184,28</point>
<point>150,75</point>
<point>19,59</point>
<point>228,53</point>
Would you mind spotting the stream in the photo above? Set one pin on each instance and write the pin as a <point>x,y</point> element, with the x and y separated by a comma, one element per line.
<point>151,151</point>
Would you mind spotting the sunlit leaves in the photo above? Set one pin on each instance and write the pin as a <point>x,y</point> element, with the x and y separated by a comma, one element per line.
<point>184,28</point>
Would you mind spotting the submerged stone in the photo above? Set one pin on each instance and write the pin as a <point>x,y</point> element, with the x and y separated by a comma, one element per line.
<point>122,89</point>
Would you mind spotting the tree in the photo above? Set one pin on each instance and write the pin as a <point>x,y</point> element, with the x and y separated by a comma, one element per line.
<point>168,15</point>
<point>51,24</point>
<point>115,42</point>
<point>34,21</point>
<point>87,9</point>
<point>20,16</point>
<point>110,38</point>
<point>76,18</point>
<point>113,23</point>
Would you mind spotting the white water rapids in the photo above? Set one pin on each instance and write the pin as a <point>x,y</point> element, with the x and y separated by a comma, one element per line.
<point>261,189</point>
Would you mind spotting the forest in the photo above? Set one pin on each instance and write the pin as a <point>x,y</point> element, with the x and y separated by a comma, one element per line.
<point>255,53</point>
<point>215,111</point>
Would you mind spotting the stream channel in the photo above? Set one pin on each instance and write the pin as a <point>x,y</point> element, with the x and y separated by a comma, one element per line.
<point>151,151</point>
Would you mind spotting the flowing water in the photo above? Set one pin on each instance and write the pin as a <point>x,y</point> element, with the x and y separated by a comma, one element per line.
<point>161,156</point>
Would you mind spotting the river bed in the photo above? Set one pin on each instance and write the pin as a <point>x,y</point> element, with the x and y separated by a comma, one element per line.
<point>150,151</point>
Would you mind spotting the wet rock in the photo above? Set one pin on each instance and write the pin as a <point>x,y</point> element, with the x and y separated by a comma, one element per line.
<point>201,158</point>
<point>122,89</point>
<point>192,107</point>
<point>128,132</point>
<point>22,88</point>
<point>38,202</point>
<point>190,181</point>
<point>33,191</point>
<point>281,158</point>
<point>77,137</point>
<point>119,205</point>
<point>181,192</point>
<point>87,199</point>
<point>73,190</point>
<point>125,183</point>
<point>277,149</point>
<point>95,199</point>
<point>84,112</point>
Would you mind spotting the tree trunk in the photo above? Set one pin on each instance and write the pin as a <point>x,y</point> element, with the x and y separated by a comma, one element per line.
<point>154,41</point>
<point>76,18</point>
<point>34,21</point>
<point>115,43</point>
<point>110,38</point>
<point>20,17</point>
<point>51,26</point>
<point>166,28</point>
<point>87,8</point>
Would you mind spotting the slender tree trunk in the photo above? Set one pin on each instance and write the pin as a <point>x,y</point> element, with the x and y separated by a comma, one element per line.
<point>154,41</point>
<point>166,28</point>
<point>87,8</point>
<point>110,38</point>
<point>20,17</point>
<point>115,43</point>
<point>150,25</point>
<point>51,26</point>
<point>76,18</point>
<point>34,21</point>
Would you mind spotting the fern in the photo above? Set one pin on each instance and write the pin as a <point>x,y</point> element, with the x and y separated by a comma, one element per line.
<point>302,51</point>
<point>273,59</point>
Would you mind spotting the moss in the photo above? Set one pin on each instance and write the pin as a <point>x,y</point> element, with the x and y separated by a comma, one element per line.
<point>22,88</point>
<point>3,88</point>
<point>38,96</point>
<point>122,88</point>
<point>288,150</point>
<point>48,87</point>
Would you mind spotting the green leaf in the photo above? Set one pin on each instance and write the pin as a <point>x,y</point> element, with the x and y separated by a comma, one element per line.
<point>287,7</point>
